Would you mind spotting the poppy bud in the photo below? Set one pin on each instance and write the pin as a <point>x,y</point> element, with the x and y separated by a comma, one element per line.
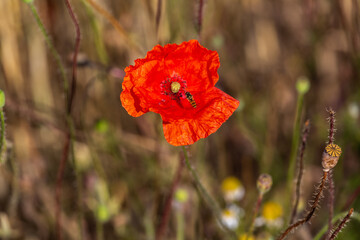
<point>264,183</point>
<point>330,156</point>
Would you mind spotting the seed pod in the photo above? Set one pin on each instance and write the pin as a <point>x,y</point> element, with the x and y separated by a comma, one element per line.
<point>175,87</point>
<point>264,183</point>
<point>330,156</point>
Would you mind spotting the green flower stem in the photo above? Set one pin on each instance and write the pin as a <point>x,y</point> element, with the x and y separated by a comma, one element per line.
<point>149,228</point>
<point>339,216</point>
<point>97,36</point>
<point>50,45</point>
<point>15,194</point>
<point>205,195</point>
<point>2,137</point>
<point>179,225</point>
<point>99,230</point>
<point>294,145</point>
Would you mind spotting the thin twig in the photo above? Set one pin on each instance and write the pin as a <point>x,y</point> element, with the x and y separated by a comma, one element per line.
<point>2,137</point>
<point>70,133</point>
<point>158,15</point>
<point>166,214</point>
<point>331,188</point>
<point>256,211</point>
<point>341,225</point>
<point>313,207</point>
<point>331,202</point>
<point>59,182</point>
<point>306,130</point>
<point>50,44</point>
<point>116,25</point>
<point>336,218</point>
<point>200,16</point>
<point>331,121</point>
<point>76,51</point>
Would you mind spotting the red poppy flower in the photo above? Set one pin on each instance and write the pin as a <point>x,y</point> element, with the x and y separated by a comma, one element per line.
<point>177,81</point>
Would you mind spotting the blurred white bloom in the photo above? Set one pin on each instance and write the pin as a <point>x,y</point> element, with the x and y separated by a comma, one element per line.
<point>230,219</point>
<point>353,110</point>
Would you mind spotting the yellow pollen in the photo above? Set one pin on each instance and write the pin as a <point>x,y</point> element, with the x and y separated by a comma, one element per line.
<point>175,87</point>
<point>333,150</point>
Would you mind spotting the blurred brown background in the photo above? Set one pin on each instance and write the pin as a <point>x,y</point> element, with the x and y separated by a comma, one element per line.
<point>125,164</point>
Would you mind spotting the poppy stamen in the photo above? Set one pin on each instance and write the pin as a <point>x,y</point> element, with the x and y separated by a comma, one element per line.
<point>174,87</point>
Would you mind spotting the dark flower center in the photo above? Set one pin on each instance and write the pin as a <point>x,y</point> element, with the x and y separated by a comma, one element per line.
<point>174,87</point>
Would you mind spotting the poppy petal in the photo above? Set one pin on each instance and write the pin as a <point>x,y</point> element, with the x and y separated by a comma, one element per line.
<point>218,107</point>
<point>193,63</point>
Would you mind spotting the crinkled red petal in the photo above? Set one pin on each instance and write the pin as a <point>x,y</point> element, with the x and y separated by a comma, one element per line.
<point>195,64</point>
<point>212,110</point>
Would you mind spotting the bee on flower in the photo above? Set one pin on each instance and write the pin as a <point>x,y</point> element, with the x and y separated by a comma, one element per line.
<point>178,82</point>
<point>232,189</point>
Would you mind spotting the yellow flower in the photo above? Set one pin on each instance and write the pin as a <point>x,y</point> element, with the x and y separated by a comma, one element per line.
<point>232,189</point>
<point>246,237</point>
<point>272,211</point>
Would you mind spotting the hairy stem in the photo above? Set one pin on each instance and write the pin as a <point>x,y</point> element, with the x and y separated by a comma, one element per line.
<point>331,189</point>
<point>50,44</point>
<point>313,207</point>
<point>341,225</point>
<point>337,217</point>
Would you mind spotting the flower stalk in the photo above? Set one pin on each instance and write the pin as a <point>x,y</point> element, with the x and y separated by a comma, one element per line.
<point>313,207</point>
<point>2,137</point>
<point>205,195</point>
<point>331,188</point>
<point>302,86</point>
<point>341,225</point>
<point>336,218</point>
<point>50,44</point>
<point>263,184</point>
<point>306,130</point>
